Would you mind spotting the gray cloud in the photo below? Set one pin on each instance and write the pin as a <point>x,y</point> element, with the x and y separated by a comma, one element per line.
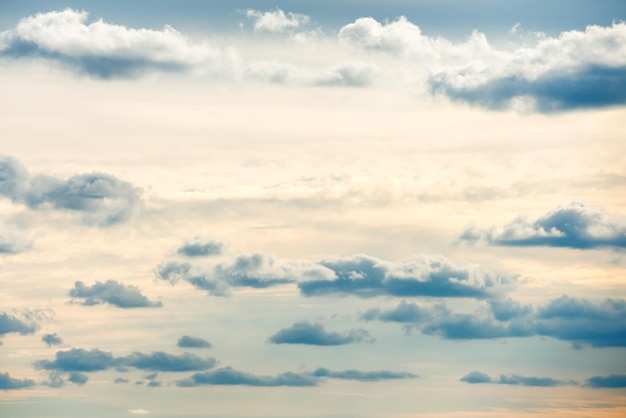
<point>11,323</point>
<point>79,360</point>
<point>9,383</point>
<point>514,379</point>
<point>607,382</point>
<point>113,293</point>
<point>12,240</point>
<point>52,339</point>
<point>361,376</point>
<point>187,341</point>
<point>200,247</point>
<point>120,380</point>
<point>102,199</point>
<point>55,379</point>
<point>229,376</point>
<point>78,378</point>
<point>434,276</point>
<point>575,226</point>
<point>405,312</point>
<point>314,334</point>
<point>164,362</point>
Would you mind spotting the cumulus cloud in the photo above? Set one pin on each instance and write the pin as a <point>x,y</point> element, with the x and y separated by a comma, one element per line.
<point>10,383</point>
<point>13,324</point>
<point>78,378</point>
<point>113,293</point>
<point>514,379</point>
<point>405,312</point>
<point>187,341</point>
<point>120,380</point>
<point>107,50</point>
<point>200,247</point>
<point>101,198</point>
<point>361,376</point>
<point>164,362</point>
<point>256,270</point>
<point>575,70</point>
<point>79,360</point>
<point>52,339</point>
<point>575,225</point>
<point>435,276</point>
<point>277,20</point>
<point>229,376</point>
<point>314,334</point>
<point>12,240</point>
<point>611,381</point>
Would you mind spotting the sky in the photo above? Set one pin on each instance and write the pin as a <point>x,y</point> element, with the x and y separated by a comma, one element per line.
<point>312,209</point>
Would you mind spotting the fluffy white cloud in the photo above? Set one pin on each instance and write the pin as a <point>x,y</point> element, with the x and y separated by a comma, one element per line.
<point>276,21</point>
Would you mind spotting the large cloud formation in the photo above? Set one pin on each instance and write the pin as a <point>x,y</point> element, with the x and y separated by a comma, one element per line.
<point>113,293</point>
<point>314,334</point>
<point>101,198</point>
<point>575,225</point>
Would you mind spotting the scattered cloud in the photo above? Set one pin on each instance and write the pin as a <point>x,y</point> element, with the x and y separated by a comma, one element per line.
<point>607,382</point>
<point>13,324</point>
<point>229,376</point>
<point>164,362</point>
<point>78,378</point>
<point>201,247</point>
<point>12,240</point>
<point>52,339</point>
<point>10,383</point>
<point>514,379</point>
<point>574,226</point>
<point>314,334</point>
<point>113,293</point>
<point>434,276</point>
<point>139,411</point>
<point>120,380</point>
<point>101,198</point>
<point>362,376</point>
<point>79,360</point>
<point>277,20</point>
<point>405,312</point>
<point>193,342</point>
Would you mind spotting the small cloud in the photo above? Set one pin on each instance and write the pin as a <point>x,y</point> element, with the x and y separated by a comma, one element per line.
<point>78,378</point>
<point>373,376</point>
<point>165,362</point>
<point>10,383</point>
<point>52,339</point>
<point>201,247</point>
<point>13,324</point>
<point>139,411</point>
<point>232,377</point>
<point>612,381</point>
<point>120,380</point>
<point>12,240</point>
<point>113,293</point>
<point>314,334</point>
<point>514,379</point>
<point>193,342</point>
<point>276,21</point>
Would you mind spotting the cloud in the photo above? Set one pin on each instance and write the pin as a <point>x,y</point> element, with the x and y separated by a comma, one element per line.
<point>574,226</point>
<point>52,339</point>
<point>9,383</point>
<point>79,360</point>
<point>575,70</point>
<point>78,378</point>
<point>193,342</point>
<point>255,270</point>
<point>101,198</point>
<point>405,312</point>
<point>355,74</point>
<point>200,247</point>
<point>229,376</point>
<point>55,379</point>
<point>435,276</point>
<point>514,379</point>
<point>120,380</point>
<point>362,376</point>
<point>113,293</point>
<point>606,382</point>
<point>277,20</point>
<point>10,324</point>
<point>164,362</point>
<point>314,334</point>
<point>12,240</point>
<point>508,309</point>
<point>154,384</point>
<point>139,411</point>
<point>105,50</point>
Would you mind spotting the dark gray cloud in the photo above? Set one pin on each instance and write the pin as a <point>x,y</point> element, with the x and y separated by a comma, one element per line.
<point>574,226</point>
<point>314,334</point>
<point>607,382</point>
<point>201,247</point>
<point>100,198</point>
<point>77,378</point>
<point>10,383</point>
<point>434,276</point>
<point>514,379</point>
<point>193,342</point>
<point>11,323</point>
<point>508,309</point>
<point>361,376</point>
<point>52,339</point>
<point>12,240</point>
<point>113,293</point>
<point>164,362</point>
<point>229,376</point>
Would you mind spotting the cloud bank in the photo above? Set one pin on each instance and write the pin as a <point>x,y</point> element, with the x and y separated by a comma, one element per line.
<point>112,292</point>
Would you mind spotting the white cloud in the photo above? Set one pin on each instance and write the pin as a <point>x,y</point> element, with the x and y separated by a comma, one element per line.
<point>139,411</point>
<point>276,21</point>
<point>12,240</point>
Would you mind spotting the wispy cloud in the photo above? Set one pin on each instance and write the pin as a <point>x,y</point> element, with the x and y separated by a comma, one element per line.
<point>308,333</point>
<point>229,376</point>
<point>514,379</point>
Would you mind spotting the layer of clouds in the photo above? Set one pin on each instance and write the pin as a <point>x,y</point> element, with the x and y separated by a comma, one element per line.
<point>575,225</point>
<point>52,339</point>
<point>256,270</point>
<point>229,376</point>
<point>435,276</point>
<point>277,20</point>
<point>201,247</point>
<point>514,379</point>
<point>308,333</point>
<point>10,383</point>
<point>12,240</point>
<point>187,341</point>
<point>101,198</point>
<point>113,293</point>
<point>373,376</point>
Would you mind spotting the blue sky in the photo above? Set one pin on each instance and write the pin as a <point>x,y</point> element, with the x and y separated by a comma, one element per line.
<point>321,209</point>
